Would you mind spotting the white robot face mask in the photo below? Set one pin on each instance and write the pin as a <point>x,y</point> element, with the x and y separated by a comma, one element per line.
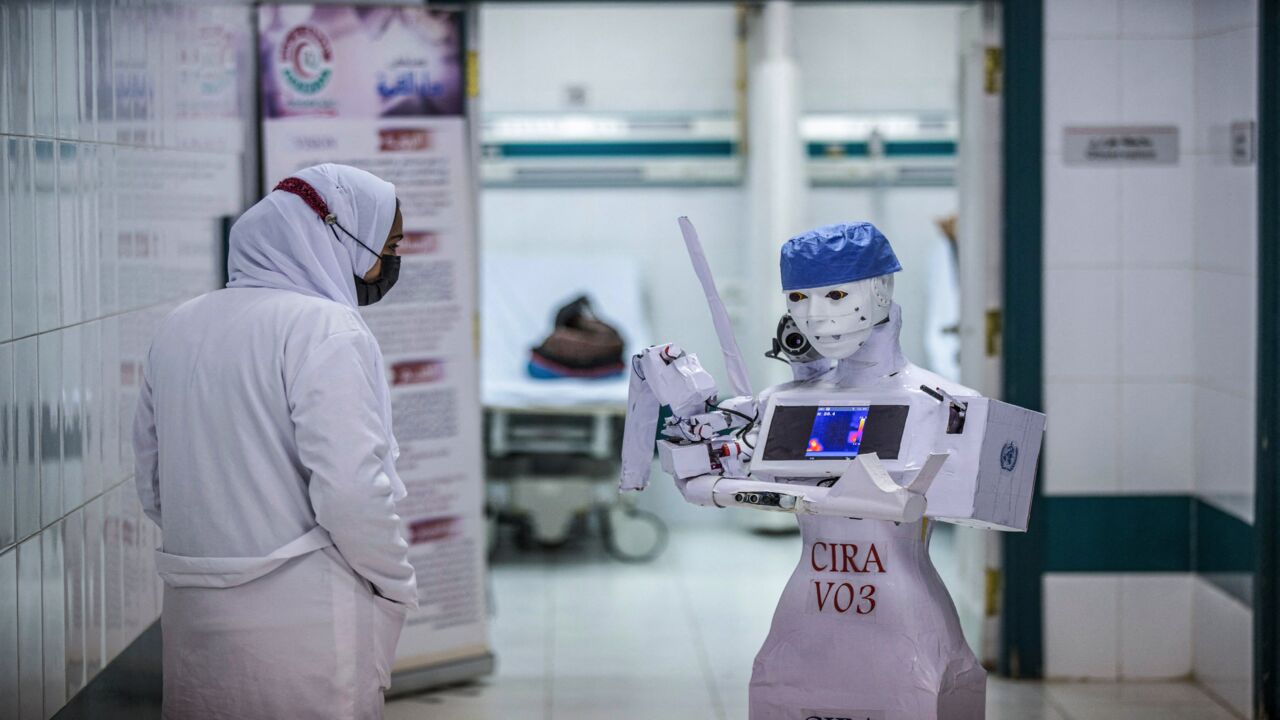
<point>838,319</point>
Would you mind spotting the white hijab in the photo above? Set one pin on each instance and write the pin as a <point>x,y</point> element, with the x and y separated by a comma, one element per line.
<point>282,243</point>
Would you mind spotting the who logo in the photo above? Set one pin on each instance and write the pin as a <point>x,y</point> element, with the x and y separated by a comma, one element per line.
<point>1009,457</point>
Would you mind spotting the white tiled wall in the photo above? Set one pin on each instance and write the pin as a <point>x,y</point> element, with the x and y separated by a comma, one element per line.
<point>1155,624</point>
<point>1223,638</point>
<point>1108,626</point>
<point>1105,626</point>
<point>1226,256</point>
<point>1149,306</point>
<point>1119,282</point>
<point>1082,625</point>
<point>1225,322</point>
<point>122,142</point>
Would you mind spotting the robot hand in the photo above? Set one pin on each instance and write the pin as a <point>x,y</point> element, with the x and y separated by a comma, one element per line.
<point>662,375</point>
<point>676,378</point>
<point>732,414</point>
<point>718,442</point>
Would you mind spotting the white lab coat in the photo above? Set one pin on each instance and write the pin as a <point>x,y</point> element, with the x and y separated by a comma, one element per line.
<point>264,452</point>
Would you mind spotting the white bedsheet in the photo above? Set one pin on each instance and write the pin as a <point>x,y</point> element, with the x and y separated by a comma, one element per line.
<point>519,297</point>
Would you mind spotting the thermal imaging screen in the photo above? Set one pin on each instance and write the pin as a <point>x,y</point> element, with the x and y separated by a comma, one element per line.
<point>831,432</point>
<point>837,432</point>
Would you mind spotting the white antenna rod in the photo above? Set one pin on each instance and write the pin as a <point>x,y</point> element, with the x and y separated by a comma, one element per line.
<point>738,376</point>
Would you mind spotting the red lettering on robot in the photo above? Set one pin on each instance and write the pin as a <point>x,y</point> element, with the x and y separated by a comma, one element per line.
<point>845,597</point>
<point>844,558</point>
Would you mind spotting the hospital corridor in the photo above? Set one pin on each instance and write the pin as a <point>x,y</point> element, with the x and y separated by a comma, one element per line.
<point>640,360</point>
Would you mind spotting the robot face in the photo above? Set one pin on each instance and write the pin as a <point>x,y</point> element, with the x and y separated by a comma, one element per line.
<point>838,319</point>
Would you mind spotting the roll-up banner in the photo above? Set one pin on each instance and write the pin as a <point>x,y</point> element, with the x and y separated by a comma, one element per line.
<point>383,89</point>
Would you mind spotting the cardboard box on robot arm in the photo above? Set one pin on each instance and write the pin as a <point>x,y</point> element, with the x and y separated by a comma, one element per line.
<point>989,479</point>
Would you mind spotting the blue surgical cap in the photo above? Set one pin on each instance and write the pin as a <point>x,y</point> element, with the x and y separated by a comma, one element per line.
<point>834,254</point>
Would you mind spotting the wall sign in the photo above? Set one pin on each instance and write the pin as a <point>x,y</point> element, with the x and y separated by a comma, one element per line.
<point>1141,145</point>
<point>381,88</point>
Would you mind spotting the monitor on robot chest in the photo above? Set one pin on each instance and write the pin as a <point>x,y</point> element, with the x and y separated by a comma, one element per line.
<point>816,433</point>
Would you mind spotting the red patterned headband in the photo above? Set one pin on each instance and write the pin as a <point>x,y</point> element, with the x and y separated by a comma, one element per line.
<point>303,189</point>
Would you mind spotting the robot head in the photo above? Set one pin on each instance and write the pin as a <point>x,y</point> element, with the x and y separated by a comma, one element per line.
<point>838,282</point>
<point>837,319</point>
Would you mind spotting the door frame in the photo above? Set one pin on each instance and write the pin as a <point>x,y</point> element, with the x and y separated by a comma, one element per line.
<point>1266,623</point>
<point>1022,33</point>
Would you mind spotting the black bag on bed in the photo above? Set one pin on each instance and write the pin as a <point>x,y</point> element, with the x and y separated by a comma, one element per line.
<point>581,345</point>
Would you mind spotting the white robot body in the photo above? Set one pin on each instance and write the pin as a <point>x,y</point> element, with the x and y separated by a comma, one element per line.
<point>865,627</point>
<point>865,448</point>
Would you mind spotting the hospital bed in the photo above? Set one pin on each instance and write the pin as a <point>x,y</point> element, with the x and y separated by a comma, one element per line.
<point>552,446</point>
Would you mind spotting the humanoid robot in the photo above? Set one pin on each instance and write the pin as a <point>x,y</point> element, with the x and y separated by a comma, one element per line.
<point>865,448</point>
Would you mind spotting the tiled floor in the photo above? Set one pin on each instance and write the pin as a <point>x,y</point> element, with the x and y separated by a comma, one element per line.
<point>579,636</point>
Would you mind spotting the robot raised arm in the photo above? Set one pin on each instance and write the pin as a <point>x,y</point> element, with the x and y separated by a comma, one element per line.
<point>666,375</point>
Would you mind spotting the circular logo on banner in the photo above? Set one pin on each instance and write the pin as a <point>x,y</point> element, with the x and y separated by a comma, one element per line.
<point>1009,456</point>
<point>306,59</point>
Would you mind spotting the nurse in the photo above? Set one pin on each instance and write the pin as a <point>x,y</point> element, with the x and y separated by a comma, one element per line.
<point>264,451</point>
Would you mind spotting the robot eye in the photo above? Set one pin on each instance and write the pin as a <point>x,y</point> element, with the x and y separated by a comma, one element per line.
<point>837,294</point>
<point>797,296</point>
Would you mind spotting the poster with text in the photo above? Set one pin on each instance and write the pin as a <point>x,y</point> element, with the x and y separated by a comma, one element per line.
<point>382,89</point>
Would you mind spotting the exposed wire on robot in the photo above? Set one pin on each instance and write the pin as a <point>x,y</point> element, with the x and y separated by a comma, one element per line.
<point>774,355</point>
<point>717,408</point>
<point>742,433</point>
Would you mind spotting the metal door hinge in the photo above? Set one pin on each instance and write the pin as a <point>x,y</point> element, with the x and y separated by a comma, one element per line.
<point>993,67</point>
<point>473,74</point>
<point>993,592</point>
<point>995,324</point>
